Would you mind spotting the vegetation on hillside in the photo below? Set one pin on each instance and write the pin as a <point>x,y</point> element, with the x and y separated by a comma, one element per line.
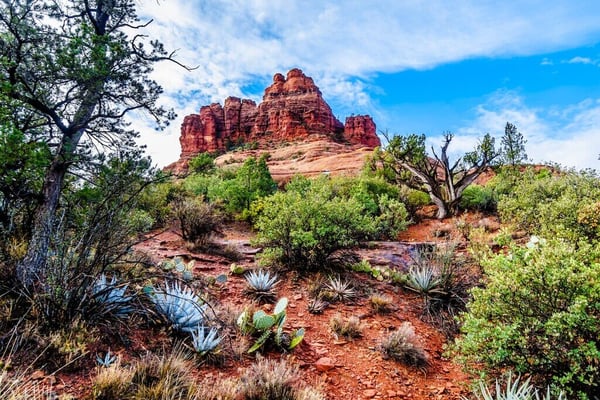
<point>76,195</point>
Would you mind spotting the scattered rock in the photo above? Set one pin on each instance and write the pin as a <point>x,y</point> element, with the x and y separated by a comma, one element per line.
<point>369,393</point>
<point>324,364</point>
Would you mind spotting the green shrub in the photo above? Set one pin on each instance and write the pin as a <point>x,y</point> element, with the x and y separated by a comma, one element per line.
<point>156,200</point>
<point>588,216</point>
<point>198,220</point>
<point>234,189</point>
<point>539,314</point>
<point>304,227</point>
<point>203,163</point>
<point>480,198</point>
<point>413,200</point>
<point>548,205</point>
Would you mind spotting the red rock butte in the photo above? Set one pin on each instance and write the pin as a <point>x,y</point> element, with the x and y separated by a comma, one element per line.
<point>292,110</point>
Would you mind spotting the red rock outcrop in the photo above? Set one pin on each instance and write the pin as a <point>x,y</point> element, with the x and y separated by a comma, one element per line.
<point>292,109</point>
<point>361,129</point>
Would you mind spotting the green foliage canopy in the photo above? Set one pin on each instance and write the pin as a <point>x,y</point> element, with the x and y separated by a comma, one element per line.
<point>539,314</point>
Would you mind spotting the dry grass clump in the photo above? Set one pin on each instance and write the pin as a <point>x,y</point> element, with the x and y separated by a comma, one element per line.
<point>266,379</point>
<point>153,377</point>
<point>350,328</point>
<point>275,380</point>
<point>403,346</point>
<point>16,386</point>
<point>380,303</point>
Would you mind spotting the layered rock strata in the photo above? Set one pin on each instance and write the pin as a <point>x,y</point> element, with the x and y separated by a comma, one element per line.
<point>292,109</point>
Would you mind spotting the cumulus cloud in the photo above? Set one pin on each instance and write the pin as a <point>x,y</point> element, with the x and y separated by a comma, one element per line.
<point>581,60</point>
<point>238,44</point>
<point>569,135</point>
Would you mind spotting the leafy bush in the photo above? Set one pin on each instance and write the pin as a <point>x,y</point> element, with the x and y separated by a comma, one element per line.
<point>235,189</point>
<point>589,217</point>
<point>156,200</point>
<point>378,198</point>
<point>203,163</point>
<point>305,225</point>
<point>539,314</point>
<point>549,205</point>
<point>198,220</point>
<point>413,200</point>
<point>480,198</point>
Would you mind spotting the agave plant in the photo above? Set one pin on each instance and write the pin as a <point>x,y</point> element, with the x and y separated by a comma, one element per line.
<point>180,306</point>
<point>111,296</point>
<point>424,280</point>
<point>513,390</point>
<point>317,305</point>
<point>204,343</point>
<point>261,285</point>
<point>337,289</point>
<point>107,360</point>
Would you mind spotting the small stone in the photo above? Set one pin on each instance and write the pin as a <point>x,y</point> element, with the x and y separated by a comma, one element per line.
<point>369,393</point>
<point>37,375</point>
<point>324,364</point>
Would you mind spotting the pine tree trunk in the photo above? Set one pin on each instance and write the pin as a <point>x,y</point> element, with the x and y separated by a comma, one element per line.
<point>31,272</point>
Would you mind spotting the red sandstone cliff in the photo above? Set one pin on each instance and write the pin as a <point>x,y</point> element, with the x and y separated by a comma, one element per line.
<point>292,109</point>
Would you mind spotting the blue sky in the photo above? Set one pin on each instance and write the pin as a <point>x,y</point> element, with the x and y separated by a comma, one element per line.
<point>415,66</point>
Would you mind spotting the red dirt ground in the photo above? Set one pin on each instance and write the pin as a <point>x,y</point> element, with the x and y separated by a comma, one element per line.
<point>359,371</point>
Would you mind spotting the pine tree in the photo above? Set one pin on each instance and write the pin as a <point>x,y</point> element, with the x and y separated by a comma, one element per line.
<point>512,146</point>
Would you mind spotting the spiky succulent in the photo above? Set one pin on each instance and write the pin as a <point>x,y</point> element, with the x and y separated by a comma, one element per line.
<point>514,390</point>
<point>261,285</point>
<point>423,280</point>
<point>111,296</point>
<point>203,342</point>
<point>107,360</point>
<point>179,305</point>
<point>317,305</point>
<point>338,289</point>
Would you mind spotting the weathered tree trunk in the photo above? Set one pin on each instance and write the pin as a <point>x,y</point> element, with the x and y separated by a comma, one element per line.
<point>32,270</point>
<point>443,210</point>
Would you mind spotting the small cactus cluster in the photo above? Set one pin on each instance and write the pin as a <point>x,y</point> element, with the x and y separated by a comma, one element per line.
<point>265,327</point>
<point>177,264</point>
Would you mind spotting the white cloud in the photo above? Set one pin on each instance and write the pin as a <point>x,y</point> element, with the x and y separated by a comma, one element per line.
<point>570,136</point>
<point>581,60</point>
<point>236,43</point>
